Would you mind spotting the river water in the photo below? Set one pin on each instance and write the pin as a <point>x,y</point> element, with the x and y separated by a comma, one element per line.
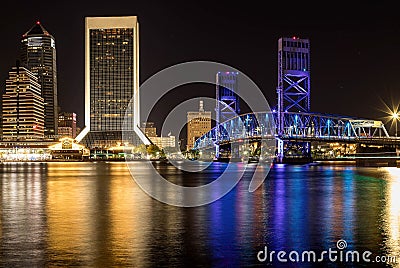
<point>88,214</point>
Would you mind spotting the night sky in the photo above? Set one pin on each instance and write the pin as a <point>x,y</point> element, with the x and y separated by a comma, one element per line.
<point>355,50</point>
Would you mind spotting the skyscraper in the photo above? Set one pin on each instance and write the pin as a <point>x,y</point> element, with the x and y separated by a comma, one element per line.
<point>198,123</point>
<point>38,54</point>
<point>23,109</point>
<point>111,80</point>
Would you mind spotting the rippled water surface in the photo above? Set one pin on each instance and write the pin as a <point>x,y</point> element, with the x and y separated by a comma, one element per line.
<point>95,215</point>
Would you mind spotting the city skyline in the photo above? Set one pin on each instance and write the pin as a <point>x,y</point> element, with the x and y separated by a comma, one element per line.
<point>352,53</point>
<point>199,133</point>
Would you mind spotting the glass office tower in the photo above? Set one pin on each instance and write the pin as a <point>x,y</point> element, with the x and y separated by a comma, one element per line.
<point>38,54</point>
<point>111,79</point>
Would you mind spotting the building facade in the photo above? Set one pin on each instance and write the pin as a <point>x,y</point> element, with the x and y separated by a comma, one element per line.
<point>163,142</point>
<point>23,108</point>
<point>111,80</point>
<point>38,54</point>
<point>67,125</point>
<point>149,129</point>
<point>198,123</point>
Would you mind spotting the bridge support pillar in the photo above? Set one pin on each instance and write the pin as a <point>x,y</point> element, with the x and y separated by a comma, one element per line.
<point>216,151</point>
<point>235,151</point>
<point>280,153</point>
<point>307,150</point>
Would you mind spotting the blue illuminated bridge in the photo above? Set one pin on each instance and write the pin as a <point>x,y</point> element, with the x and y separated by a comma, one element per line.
<point>292,131</point>
<point>298,128</point>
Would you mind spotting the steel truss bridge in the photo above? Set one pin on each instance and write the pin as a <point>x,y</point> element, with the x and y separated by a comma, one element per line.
<point>298,128</point>
<point>292,127</point>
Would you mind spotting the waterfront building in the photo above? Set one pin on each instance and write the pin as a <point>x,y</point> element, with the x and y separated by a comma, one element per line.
<point>67,125</point>
<point>111,81</point>
<point>23,108</point>
<point>42,150</point>
<point>163,142</point>
<point>149,129</point>
<point>198,123</point>
<point>38,54</point>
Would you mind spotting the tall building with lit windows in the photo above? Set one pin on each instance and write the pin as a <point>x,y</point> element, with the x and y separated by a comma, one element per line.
<point>198,124</point>
<point>38,54</point>
<point>111,80</point>
<point>67,124</point>
<point>23,109</point>
<point>149,129</point>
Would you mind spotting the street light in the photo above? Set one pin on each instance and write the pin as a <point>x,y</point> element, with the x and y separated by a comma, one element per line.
<point>395,116</point>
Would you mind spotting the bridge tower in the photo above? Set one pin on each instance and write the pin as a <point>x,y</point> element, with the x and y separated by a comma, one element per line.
<point>293,85</point>
<point>227,104</point>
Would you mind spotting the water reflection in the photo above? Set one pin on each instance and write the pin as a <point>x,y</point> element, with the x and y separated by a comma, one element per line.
<point>391,216</point>
<point>127,235</point>
<point>23,214</point>
<point>72,213</point>
<point>94,215</point>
